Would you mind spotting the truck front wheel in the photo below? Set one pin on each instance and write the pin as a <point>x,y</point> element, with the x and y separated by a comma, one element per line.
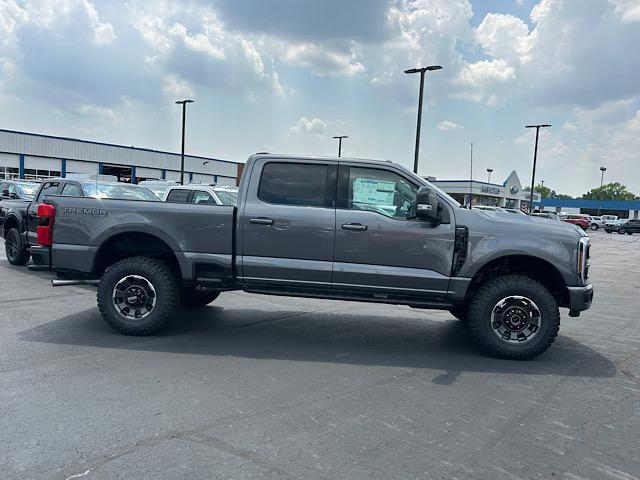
<point>138,295</point>
<point>513,317</point>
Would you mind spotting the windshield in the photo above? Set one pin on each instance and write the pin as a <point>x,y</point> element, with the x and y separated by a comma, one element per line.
<point>119,192</point>
<point>227,197</point>
<point>27,189</point>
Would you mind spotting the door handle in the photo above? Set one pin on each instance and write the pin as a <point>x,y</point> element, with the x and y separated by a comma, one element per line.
<point>354,226</point>
<point>261,221</point>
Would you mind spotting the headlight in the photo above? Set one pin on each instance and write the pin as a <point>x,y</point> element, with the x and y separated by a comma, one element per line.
<point>584,252</point>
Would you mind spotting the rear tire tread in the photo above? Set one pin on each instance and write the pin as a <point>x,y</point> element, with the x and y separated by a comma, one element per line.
<point>165,281</point>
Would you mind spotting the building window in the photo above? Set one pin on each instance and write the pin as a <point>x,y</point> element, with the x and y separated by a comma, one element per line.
<point>9,172</point>
<point>40,174</point>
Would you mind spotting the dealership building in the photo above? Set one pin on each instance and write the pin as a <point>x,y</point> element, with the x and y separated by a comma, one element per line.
<point>509,194</point>
<point>34,157</point>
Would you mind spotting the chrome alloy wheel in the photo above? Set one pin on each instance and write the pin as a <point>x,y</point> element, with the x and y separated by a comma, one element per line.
<point>516,319</point>
<point>134,297</point>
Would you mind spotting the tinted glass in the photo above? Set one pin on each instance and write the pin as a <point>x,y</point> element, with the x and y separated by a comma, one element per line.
<point>227,197</point>
<point>49,188</point>
<point>71,190</point>
<point>380,191</point>
<point>293,184</point>
<point>118,191</point>
<point>178,195</point>
<point>200,197</point>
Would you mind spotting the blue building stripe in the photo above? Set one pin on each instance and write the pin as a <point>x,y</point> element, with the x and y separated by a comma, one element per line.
<point>163,174</point>
<point>594,204</point>
<point>21,166</point>
<point>133,174</point>
<point>191,176</point>
<point>100,168</point>
<point>63,168</point>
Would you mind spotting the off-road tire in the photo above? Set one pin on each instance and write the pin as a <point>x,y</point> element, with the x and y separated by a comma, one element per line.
<point>19,256</point>
<point>460,312</point>
<point>167,295</point>
<point>198,298</point>
<point>487,297</point>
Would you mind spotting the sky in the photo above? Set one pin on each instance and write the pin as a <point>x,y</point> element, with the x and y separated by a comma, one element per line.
<point>284,76</point>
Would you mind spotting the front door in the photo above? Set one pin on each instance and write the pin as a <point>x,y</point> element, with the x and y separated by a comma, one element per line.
<point>288,223</point>
<point>377,246</point>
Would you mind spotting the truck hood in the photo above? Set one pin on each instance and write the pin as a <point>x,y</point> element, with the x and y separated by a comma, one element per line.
<point>498,223</point>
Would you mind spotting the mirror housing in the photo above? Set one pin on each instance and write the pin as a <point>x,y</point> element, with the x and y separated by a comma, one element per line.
<point>5,193</point>
<point>427,205</point>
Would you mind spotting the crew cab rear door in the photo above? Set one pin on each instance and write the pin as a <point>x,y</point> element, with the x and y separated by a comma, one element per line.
<point>288,223</point>
<point>48,188</point>
<point>377,247</point>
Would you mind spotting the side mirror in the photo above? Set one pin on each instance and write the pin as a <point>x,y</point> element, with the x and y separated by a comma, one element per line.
<point>427,205</point>
<point>5,193</point>
<point>13,195</point>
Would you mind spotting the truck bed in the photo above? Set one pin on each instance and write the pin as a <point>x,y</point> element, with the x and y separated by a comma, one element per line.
<point>200,236</point>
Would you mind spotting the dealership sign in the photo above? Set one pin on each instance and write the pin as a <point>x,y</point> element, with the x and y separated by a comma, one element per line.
<point>491,190</point>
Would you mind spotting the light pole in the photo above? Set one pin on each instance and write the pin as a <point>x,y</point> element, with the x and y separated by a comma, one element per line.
<point>422,72</point>
<point>471,177</point>
<point>340,137</point>
<point>535,158</point>
<point>602,169</point>
<point>184,115</point>
<point>542,182</point>
<point>489,171</point>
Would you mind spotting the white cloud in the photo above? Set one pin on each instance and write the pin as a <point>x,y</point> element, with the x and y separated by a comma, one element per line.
<point>177,88</point>
<point>323,61</point>
<point>629,10</point>
<point>503,36</point>
<point>446,125</point>
<point>103,112</point>
<point>198,42</point>
<point>314,126</point>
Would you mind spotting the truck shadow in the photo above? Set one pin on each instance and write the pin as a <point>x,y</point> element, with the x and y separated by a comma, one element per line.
<point>327,337</point>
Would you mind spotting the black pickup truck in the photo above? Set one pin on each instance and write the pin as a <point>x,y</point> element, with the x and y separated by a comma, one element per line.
<point>19,215</point>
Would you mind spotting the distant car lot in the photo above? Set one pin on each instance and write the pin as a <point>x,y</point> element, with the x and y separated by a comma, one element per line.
<point>270,387</point>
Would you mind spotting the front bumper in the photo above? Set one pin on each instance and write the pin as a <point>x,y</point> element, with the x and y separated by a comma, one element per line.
<point>580,299</point>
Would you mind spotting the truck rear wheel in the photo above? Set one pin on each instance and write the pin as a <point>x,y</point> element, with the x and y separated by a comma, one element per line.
<point>138,295</point>
<point>198,297</point>
<point>514,317</point>
<point>14,247</point>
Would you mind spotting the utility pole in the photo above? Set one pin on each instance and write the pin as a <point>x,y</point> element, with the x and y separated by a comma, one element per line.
<point>489,170</point>
<point>535,158</point>
<point>340,137</point>
<point>184,115</point>
<point>422,72</point>
<point>471,179</point>
<point>602,169</point>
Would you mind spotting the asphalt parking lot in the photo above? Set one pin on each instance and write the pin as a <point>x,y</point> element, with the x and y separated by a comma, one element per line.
<point>272,388</point>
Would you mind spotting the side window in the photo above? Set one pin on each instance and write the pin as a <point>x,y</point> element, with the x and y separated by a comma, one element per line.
<point>49,188</point>
<point>200,197</point>
<point>302,184</point>
<point>71,190</point>
<point>380,191</point>
<point>178,195</point>
<point>12,188</point>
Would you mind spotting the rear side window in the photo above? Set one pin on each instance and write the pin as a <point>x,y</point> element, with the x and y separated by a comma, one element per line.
<point>202,198</point>
<point>178,196</point>
<point>293,184</point>
<point>71,190</point>
<point>49,188</point>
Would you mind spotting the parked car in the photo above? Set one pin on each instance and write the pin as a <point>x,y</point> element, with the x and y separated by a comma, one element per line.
<point>17,190</point>
<point>612,226</point>
<point>19,217</point>
<point>331,228</point>
<point>515,211</point>
<point>630,227</point>
<point>201,194</point>
<point>596,222</point>
<point>158,187</point>
<point>578,219</point>
<point>549,215</point>
<point>609,218</point>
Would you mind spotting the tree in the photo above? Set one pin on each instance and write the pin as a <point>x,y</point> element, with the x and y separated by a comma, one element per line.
<point>610,191</point>
<point>546,192</point>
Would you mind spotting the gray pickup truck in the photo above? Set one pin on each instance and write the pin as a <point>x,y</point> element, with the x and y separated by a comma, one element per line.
<point>326,228</point>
